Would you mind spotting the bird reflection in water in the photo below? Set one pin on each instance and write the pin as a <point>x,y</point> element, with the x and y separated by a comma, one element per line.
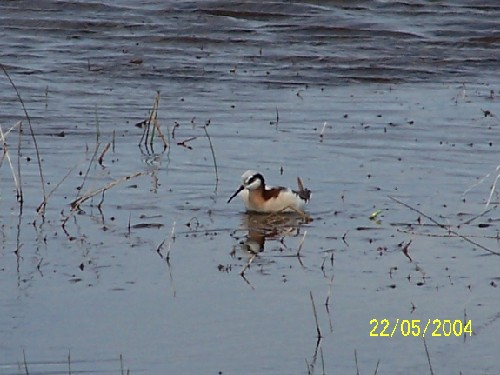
<point>260,228</point>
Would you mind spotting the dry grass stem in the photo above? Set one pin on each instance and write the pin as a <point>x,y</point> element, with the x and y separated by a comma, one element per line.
<point>301,243</point>
<point>151,125</point>
<point>25,363</point>
<point>356,361</point>
<point>101,158</point>
<point>169,245</point>
<point>450,231</point>
<point>247,266</point>
<point>156,124</point>
<point>277,119</point>
<point>318,331</point>
<point>6,155</point>
<point>311,366</point>
<point>121,365</point>
<point>20,196</point>
<point>5,134</point>
<point>327,303</point>
<point>79,201</point>
<point>56,187</point>
<point>213,154</point>
<point>480,215</point>
<point>41,211</point>
<point>323,130</point>
<point>376,367</point>
<point>184,143</point>
<point>69,362</point>
<point>428,356</point>
<point>493,187</point>
<point>172,239</point>
<point>167,257</point>
<point>94,155</point>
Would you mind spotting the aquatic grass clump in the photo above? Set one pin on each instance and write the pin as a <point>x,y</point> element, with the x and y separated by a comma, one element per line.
<point>150,126</point>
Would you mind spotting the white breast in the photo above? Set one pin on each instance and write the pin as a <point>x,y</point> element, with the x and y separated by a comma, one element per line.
<point>282,203</point>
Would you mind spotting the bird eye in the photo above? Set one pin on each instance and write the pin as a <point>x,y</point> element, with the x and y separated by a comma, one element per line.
<point>254,178</point>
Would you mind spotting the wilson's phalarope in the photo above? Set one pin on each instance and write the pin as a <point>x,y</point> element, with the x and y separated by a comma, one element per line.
<point>259,197</point>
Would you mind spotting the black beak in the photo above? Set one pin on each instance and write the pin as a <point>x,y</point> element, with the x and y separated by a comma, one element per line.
<point>235,193</point>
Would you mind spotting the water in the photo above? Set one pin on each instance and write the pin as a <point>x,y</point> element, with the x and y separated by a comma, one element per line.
<point>404,90</point>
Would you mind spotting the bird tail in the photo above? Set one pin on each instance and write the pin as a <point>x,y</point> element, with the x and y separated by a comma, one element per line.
<point>304,193</point>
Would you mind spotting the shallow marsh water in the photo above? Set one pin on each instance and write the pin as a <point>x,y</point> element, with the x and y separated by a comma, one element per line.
<point>403,89</point>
